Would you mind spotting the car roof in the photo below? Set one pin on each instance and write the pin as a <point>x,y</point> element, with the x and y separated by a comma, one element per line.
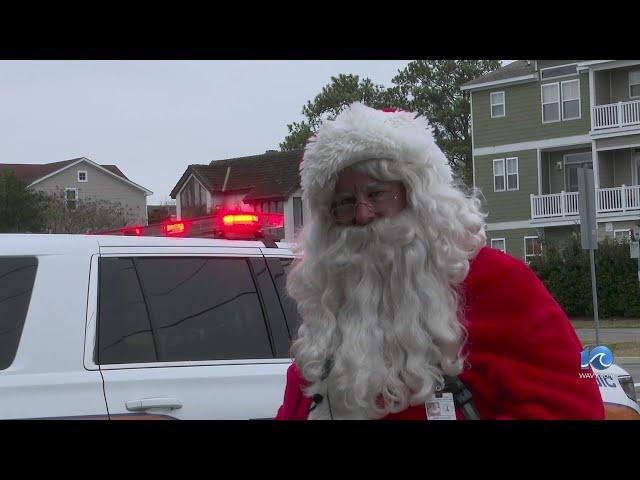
<point>46,244</point>
<point>39,244</point>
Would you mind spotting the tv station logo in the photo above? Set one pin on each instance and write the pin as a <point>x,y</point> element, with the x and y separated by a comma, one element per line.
<point>600,358</point>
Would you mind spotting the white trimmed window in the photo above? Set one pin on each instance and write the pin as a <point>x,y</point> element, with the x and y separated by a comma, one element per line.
<point>82,176</point>
<point>531,248</point>
<point>505,174</point>
<point>550,102</point>
<point>499,244</point>
<point>497,105</point>
<point>622,235</point>
<point>498,175</point>
<point>71,198</point>
<point>570,99</point>
<point>512,174</point>
<point>634,84</point>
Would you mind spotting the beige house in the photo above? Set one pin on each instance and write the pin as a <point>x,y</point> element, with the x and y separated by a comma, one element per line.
<point>80,179</point>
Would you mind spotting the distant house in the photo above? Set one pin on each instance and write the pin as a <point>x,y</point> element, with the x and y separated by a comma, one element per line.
<point>269,182</point>
<point>534,124</point>
<point>80,178</point>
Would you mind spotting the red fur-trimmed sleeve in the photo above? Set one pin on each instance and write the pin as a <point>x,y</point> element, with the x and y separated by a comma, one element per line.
<point>295,405</point>
<point>524,352</point>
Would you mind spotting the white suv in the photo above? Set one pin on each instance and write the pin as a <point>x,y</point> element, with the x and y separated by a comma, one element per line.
<point>142,327</point>
<point>127,327</point>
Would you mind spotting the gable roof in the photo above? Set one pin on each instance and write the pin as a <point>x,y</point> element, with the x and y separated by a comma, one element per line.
<point>33,173</point>
<point>270,175</point>
<point>30,172</point>
<point>519,68</point>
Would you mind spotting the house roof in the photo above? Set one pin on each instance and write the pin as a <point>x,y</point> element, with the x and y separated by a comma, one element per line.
<point>270,175</point>
<point>30,172</point>
<point>519,68</point>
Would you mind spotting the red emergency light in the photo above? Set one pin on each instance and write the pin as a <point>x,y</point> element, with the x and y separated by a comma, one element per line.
<point>132,231</point>
<point>247,225</point>
<point>175,229</point>
<point>272,220</point>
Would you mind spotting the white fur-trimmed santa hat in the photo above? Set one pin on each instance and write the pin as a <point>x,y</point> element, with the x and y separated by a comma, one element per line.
<point>361,133</point>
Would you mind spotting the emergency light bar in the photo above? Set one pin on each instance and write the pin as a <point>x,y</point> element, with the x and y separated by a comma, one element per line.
<point>228,224</point>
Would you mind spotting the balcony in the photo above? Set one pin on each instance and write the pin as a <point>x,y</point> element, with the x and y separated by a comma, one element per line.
<point>615,115</point>
<point>564,204</point>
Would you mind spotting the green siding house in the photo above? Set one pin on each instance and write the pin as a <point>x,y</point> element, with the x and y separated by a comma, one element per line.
<point>534,123</point>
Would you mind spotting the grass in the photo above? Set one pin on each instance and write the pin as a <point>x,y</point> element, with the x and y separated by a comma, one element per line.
<point>606,323</point>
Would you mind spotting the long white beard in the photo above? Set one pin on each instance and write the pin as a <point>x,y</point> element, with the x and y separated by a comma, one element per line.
<point>380,321</point>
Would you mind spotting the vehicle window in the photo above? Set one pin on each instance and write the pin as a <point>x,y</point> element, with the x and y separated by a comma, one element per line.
<point>279,268</point>
<point>279,329</point>
<point>200,309</point>
<point>124,332</point>
<point>17,275</point>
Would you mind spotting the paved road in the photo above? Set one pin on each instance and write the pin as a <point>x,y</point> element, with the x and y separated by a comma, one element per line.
<point>610,335</point>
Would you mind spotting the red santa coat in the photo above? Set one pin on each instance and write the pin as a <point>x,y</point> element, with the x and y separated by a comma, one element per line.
<point>523,353</point>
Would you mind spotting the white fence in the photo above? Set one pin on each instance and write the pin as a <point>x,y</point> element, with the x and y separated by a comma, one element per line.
<point>619,114</point>
<point>617,199</point>
<point>554,205</point>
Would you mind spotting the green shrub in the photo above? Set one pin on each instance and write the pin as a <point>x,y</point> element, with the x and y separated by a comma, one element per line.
<point>566,272</point>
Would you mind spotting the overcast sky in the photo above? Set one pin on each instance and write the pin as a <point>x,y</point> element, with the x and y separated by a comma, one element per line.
<point>153,118</point>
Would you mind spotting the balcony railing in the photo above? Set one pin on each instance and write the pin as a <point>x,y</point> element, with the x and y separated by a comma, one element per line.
<point>617,199</point>
<point>621,114</point>
<point>554,205</point>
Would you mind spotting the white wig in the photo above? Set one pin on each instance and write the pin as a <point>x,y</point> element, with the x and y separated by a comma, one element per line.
<point>379,304</point>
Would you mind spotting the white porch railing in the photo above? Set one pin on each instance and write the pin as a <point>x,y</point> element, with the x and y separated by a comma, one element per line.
<point>617,199</point>
<point>612,115</point>
<point>554,205</point>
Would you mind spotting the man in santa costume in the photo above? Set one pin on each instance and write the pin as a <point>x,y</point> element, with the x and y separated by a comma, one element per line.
<point>401,300</point>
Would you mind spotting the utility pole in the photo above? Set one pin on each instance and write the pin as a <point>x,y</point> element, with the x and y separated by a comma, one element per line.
<point>589,231</point>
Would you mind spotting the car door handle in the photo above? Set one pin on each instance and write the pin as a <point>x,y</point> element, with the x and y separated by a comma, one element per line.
<point>147,403</point>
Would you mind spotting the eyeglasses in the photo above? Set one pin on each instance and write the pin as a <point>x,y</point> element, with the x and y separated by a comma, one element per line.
<point>378,200</point>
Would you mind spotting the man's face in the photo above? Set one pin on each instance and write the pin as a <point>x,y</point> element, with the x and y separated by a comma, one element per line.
<point>359,199</point>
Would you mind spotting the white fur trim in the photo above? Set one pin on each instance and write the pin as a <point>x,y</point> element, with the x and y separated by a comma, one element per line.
<point>360,133</point>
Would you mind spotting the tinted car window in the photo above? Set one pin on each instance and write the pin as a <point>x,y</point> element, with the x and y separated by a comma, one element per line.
<point>200,309</point>
<point>279,268</point>
<point>17,275</point>
<point>124,332</point>
<point>279,330</point>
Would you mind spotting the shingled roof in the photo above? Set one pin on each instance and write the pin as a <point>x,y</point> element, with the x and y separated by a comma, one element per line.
<point>30,172</point>
<point>271,175</point>
<point>519,68</point>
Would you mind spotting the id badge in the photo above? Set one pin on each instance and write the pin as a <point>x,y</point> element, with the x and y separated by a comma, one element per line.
<point>441,407</point>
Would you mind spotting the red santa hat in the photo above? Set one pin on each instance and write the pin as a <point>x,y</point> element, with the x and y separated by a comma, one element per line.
<point>361,133</point>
